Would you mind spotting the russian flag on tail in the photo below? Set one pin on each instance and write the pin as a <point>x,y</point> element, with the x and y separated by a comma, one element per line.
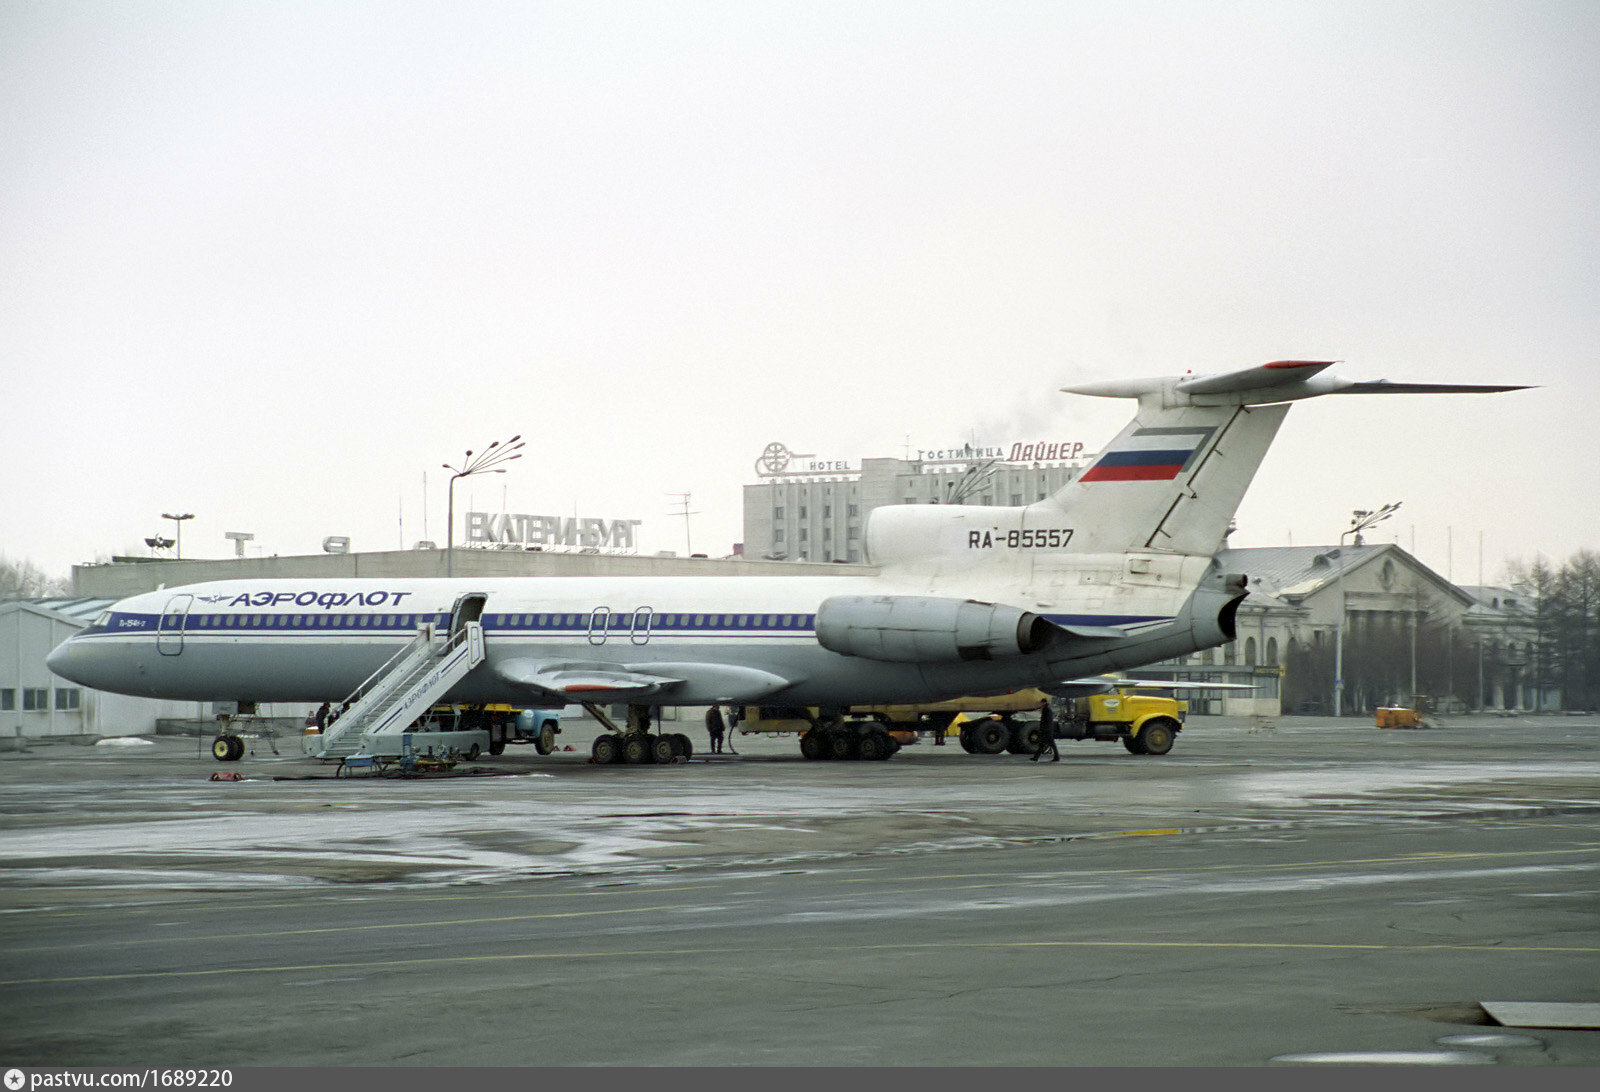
<point>1149,455</point>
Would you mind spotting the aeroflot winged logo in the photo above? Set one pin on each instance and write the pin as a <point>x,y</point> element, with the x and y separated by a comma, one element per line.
<point>325,600</point>
<point>1149,455</point>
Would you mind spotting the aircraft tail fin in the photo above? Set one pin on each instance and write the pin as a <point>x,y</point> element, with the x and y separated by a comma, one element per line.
<point>1170,481</point>
<point>1173,478</point>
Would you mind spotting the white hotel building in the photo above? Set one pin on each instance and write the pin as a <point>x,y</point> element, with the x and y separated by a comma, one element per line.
<point>808,509</point>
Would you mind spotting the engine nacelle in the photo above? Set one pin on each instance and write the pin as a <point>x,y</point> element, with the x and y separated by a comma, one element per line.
<point>926,629</point>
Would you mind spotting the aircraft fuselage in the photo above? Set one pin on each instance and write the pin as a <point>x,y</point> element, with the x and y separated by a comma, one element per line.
<point>317,640</point>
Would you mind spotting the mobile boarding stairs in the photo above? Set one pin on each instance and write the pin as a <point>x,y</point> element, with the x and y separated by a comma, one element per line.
<point>395,695</point>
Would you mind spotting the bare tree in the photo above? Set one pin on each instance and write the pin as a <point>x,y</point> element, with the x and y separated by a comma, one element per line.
<point>25,580</point>
<point>1566,602</point>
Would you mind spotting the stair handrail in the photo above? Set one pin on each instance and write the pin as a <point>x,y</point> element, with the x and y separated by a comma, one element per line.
<point>394,699</point>
<point>424,635</point>
<point>390,682</point>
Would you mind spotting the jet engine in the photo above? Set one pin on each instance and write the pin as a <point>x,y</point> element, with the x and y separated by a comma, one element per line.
<point>927,629</point>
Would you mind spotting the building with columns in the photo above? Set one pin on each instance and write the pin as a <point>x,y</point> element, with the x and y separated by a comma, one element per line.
<point>1407,634</point>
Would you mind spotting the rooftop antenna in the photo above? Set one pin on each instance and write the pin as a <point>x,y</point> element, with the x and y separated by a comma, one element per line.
<point>683,504</point>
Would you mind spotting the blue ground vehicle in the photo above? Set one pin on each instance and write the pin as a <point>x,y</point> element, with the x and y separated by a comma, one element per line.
<point>471,730</point>
<point>536,726</point>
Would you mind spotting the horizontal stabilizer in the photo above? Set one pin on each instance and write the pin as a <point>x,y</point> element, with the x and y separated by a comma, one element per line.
<point>1266,384</point>
<point>1383,386</point>
<point>1276,374</point>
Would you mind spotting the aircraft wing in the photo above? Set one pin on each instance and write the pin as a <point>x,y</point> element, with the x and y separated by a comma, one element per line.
<point>1100,684</point>
<point>1094,633</point>
<point>592,681</point>
<point>1168,684</point>
<point>568,681</point>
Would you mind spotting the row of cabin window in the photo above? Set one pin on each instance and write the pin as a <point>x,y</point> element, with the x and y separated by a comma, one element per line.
<point>616,620</point>
<point>343,621</point>
<point>629,619</point>
<point>37,698</point>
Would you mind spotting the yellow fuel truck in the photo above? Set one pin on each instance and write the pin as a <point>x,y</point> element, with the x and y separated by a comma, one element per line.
<point>1147,724</point>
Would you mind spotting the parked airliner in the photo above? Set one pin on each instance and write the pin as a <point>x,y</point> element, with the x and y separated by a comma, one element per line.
<point>1113,571</point>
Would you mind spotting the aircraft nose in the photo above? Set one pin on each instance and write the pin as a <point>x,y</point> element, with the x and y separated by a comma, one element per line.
<point>67,661</point>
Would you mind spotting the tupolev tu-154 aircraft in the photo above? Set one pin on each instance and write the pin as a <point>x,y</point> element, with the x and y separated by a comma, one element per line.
<point>1112,572</point>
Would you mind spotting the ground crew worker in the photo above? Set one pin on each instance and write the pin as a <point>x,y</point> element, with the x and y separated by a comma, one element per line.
<point>1047,734</point>
<point>714,728</point>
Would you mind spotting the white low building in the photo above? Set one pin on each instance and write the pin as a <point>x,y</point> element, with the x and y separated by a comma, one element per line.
<point>36,704</point>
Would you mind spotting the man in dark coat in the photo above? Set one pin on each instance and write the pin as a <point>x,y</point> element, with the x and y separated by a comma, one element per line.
<point>1047,734</point>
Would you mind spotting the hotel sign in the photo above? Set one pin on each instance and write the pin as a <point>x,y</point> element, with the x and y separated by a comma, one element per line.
<point>778,461</point>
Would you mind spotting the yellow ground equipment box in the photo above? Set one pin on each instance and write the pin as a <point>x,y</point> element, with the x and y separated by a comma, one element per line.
<point>1399,718</point>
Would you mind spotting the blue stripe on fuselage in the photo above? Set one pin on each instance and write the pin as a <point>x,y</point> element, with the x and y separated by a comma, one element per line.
<point>566,623</point>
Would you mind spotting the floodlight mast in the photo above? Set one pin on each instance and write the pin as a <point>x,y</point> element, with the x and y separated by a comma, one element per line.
<point>179,521</point>
<point>486,461</point>
<point>1360,520</point>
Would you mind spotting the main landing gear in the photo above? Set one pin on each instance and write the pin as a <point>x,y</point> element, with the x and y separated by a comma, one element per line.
<point>636,744</point>
<point>837,738</point>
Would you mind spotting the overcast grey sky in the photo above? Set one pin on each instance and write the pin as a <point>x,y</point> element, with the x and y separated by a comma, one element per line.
<point>272,264</point>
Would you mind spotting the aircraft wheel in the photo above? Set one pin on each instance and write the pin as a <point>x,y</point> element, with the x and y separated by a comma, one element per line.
<point>237,745</point>
<point>876,746</point>
<point>989,737</point>
<point>685,745</point>
<point>222,748</point>
<point>636,750</point>
<point>545,742</point>
<point>661,750</point>
<point>1157,736</point>
<point>811,746</point>
<point>843,745</point>
<point>606,749</point>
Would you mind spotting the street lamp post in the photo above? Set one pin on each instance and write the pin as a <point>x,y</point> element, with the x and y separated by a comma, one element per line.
<point>486,461</point>
<point>179,521</point>
<point>1359,521</point>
